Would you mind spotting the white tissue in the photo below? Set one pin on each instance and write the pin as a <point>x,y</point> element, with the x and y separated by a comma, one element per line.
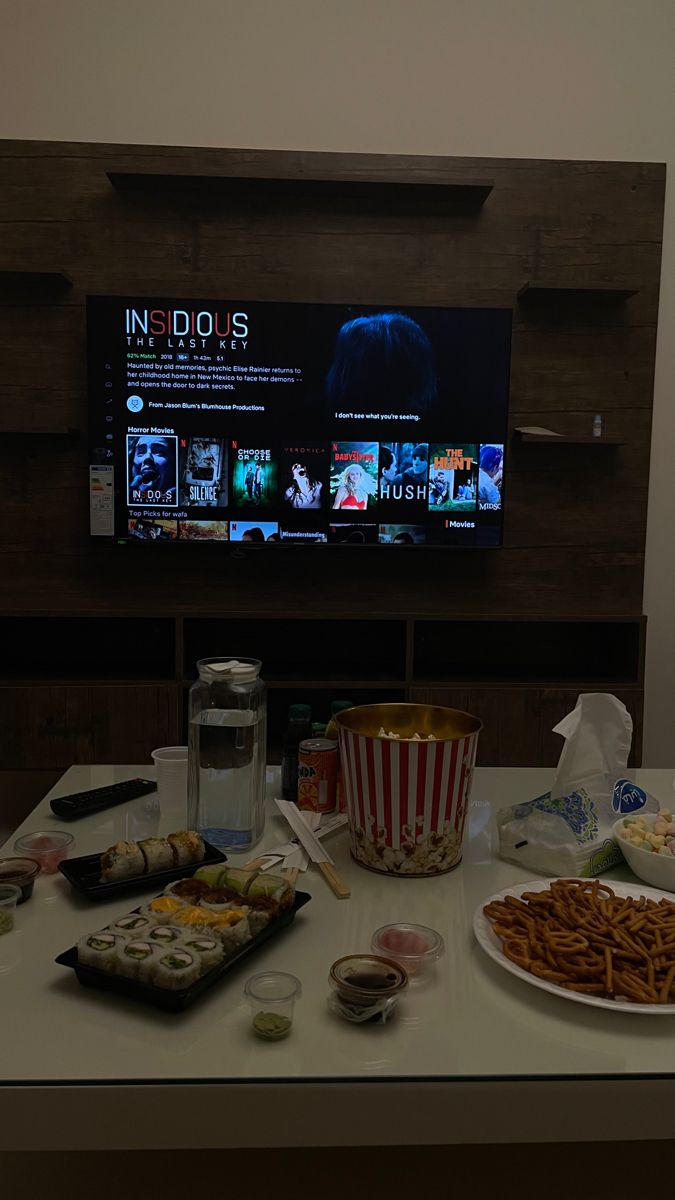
<point>568,831</point>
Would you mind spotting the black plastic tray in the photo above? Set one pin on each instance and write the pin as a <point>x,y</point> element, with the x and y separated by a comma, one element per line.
<point>84,874</point>
<point>177,1001</point>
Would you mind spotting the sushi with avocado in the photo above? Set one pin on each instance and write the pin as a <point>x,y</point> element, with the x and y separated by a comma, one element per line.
<point>208,950</point>
<point>237,878</point>
<point>132,925</point>
<point>100,950</point>
<point>136,959</point>
<point>166,935</point>
<point>272,887</point>
<point>176,968</point>
<point>210,876</point>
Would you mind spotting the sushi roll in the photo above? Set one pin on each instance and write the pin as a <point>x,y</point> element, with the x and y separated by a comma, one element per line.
<point>122,861</point>
<point>166,935</point>
<point>188,890</point>
<point>237,878</point>
<point>211,876</point>
<point>99,950</point>
<point>260,913</point>
<point>137,959</point>
<point>274,887</point>
<point>209,950</point>
<point>133,925</point>
<point>176,968</point>
<point>232,928</point>
<point>157,853</point>
<point>194,918</point>
<point>220,900</point>
<point>162,909</point>
<point>187,847</point>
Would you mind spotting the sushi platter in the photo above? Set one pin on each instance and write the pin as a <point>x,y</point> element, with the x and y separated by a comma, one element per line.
<point>135,866</point>
<point>172,949</point>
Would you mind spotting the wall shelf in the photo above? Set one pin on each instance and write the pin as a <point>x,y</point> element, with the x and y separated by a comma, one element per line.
<point>468,192</point>
<point>63,431</point>
<point>556,289</point>
<point>34,279</point>
<point>558,439</point>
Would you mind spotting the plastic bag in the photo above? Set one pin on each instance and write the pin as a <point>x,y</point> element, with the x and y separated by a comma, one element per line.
<point>568,831</point>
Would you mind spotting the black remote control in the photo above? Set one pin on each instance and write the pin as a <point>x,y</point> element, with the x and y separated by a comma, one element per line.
<point>83,804</point>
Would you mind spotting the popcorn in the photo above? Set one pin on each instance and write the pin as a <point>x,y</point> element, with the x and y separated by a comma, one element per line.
<point>415,737</point>
<point>416,856</point>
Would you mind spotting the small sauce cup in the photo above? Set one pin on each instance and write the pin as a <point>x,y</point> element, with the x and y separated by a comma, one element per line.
<point>22,873</point>
<point>47,848</point>
<point>9,897</point>
<point>271,996</point>
<point>366,987</point>
<point>415,947</point>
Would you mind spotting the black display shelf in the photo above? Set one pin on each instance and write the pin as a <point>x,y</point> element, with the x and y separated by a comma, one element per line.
<point>536,289</point>
<point>34,279</point>
<point>468,192</point>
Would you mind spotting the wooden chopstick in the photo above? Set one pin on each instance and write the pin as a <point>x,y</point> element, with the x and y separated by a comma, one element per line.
<point>255,863</point>
<point>290,874</point>
<point>333,880</point>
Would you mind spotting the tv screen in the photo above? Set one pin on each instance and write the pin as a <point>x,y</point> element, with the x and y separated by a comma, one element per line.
<point>255,422</point>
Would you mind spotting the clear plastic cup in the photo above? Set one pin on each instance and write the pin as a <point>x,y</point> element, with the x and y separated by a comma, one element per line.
<point>271,997</point>
<point>171,770</point>
<point>47,847</point>
<point>415,947</point>
<point>9,898</point>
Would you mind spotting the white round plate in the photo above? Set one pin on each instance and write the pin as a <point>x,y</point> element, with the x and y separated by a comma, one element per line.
<point>492,946</point>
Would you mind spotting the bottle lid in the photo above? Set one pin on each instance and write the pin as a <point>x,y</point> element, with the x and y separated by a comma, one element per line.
<point>339,706</point>
<point>234,669</point>
<point>300,712</point>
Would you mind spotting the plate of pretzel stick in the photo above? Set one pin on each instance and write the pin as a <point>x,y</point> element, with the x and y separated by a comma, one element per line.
<point>611,946</point>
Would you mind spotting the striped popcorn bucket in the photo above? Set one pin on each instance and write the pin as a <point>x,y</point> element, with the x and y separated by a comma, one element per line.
<point>407,794</point>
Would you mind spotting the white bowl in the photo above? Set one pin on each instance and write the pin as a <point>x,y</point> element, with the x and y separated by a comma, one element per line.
<point>653,867</point>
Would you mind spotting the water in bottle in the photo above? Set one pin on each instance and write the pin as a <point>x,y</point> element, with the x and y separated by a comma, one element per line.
<point>226,753</point>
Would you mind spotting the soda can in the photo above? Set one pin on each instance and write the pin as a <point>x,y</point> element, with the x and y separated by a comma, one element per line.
<point>317,774</point>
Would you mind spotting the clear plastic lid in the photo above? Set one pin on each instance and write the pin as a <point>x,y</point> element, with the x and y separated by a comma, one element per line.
<point>413,946</point>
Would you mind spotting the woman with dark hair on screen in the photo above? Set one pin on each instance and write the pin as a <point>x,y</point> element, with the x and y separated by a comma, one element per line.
<point>386,359</point>
<point>253,535</point>
<point>304,492</point>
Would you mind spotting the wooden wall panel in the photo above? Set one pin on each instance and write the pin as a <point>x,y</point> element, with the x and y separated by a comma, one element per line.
<point>56,726</point>
<point>575,516</point>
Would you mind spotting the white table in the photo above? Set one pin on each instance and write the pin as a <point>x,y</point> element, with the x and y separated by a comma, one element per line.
<point>475,1056</point>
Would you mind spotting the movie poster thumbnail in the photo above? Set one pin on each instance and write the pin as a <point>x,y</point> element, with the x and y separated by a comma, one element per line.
<point>203,472</point>
<point>402,535</point>
<point>490,469</point>
<point>353,475</point>
<point>453,478</point>
<point>254,476</point>
<point>203,531</point>
<point>254,531</point>
<point>151,529</point>
<point>301,536</point>
<point>403,470</point>
<point>152,469</point>
<point>364,535</point>
<point>303,473</point>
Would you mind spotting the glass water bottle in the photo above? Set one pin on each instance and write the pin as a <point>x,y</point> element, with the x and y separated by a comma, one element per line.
<point>227,744</point>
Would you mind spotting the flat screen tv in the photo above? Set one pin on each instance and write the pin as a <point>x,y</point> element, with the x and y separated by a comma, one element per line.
<point>254,422</point>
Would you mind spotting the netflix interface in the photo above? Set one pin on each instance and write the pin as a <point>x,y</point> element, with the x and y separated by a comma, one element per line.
<point>235,421</point>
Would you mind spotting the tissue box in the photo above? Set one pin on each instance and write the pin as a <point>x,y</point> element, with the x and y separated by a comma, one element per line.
<point>571,835</point>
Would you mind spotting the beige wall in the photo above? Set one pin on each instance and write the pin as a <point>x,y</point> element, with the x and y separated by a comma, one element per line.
<point>504,78</point>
